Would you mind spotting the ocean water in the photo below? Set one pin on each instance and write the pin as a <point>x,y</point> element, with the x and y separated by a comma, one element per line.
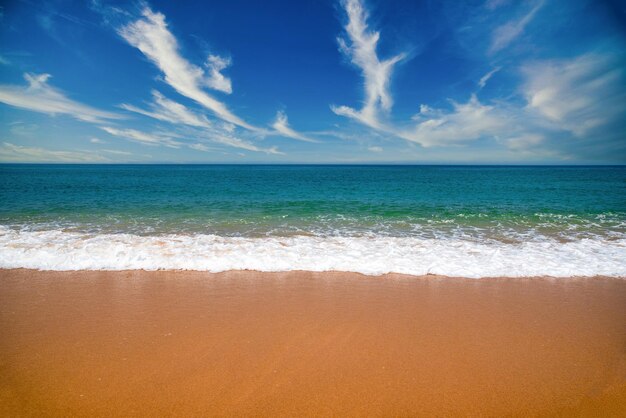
<point>472,221</point>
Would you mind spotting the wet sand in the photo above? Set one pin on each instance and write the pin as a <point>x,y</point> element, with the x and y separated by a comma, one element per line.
<point>140,343</point>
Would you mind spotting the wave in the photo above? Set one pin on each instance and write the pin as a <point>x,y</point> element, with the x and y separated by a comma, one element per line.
<point>372,255</point>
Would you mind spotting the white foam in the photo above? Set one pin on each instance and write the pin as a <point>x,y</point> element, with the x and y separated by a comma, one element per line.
<point>58,250</point>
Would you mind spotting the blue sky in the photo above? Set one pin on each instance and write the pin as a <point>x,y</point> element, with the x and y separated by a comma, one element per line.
<point>319,81</point>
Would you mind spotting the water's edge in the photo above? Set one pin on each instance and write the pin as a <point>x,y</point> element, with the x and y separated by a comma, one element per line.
<point>58,250</point>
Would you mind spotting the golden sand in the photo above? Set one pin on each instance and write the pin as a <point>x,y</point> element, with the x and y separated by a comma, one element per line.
<point>138,343</point>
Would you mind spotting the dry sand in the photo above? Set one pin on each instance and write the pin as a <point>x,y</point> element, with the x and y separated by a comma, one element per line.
<point>140,343</point>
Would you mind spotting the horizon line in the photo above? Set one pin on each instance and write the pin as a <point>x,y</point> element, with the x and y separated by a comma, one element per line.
<point>323,164</point>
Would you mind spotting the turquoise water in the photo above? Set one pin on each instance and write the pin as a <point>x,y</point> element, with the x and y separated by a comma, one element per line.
<point>467,204</point>
<point>284,200</point>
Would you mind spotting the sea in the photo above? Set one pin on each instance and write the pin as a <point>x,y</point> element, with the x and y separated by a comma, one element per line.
<point>470,221</point>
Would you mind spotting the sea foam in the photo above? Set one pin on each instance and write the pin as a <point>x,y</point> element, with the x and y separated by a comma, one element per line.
<point>62,250</point>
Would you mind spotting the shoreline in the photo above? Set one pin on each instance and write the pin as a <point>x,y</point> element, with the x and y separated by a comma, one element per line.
<point>389,275</point>
<point>58,249</point>
<point>146,343</point>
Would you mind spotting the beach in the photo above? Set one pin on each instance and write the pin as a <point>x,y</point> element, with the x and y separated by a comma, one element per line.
<point>313,208</point>
<point>160,343</point>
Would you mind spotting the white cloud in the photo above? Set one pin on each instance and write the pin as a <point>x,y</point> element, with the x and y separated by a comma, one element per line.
<point>563,97</point>
<point>216,80</point>
<point>23,129</point>
<point>573,96</point>
<point>200,147</point>
<point>507,123</point>
<point>168,110</point>
<point>226,136</point>
<point>483,80</point>
<point>235,142</point>
<point>152,37</point>
<point>228,127</point>
<point>494,4</point>
<point>282,126</point>
<point>505,34</point>
<point>350,135</point>
<point>39,96</point>
<point>524,141</point>
<point>466,122</point>
<point>16,153</point>
<point>165,109</point>
<point>154,139</point>
<point>95,140</point>
<point>361,49</point>
<point>577,94</point>
<point>116,152</point>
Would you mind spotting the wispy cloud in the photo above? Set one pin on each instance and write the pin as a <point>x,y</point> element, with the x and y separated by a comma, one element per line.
<point>282,126</point>
<point>152,37</point>
<point>484,79</point>
<point>360,48</point>
<point>465,122</point>
<point>153,139</point>
<point>150,34</point>
<point>117,152</point>
<point>505,34</point>
<point>95,140</point>
<point>25,129</point>
<point>216,80</point>
<point>17,153</point>
<point>576,94</point>
<point>200,147</point>
<point>524,141</point>
<point>200,128</point>
<point>233,141</point>
<point>168,110</point>
<point>39,96</point>
<point>565,99</point>
<point>174,139</point>
<point>110,14</point>
<point>494,4</point>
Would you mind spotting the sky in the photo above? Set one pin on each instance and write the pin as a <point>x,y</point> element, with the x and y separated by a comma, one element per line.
<point>313,81</point>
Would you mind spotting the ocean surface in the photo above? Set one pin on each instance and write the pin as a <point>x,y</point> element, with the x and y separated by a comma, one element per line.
<point>472,221</point>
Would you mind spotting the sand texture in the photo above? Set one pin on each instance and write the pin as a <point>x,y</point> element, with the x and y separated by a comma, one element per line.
<point>137,343</point>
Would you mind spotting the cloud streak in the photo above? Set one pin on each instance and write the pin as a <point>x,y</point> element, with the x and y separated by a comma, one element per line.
<point>505,34</point>
<point>150,34</point>
<point>168,110</point>
<point>559,102</point>
<point>360,48</point>
<point>235,142</point>
<point>466,122</point>
<point>216,80</point>
<point>484,79</point>
<point>17,153</point>
<point>281,125</point>
<point>577,94</point>
<point>177,114</point>
<point>153,139</point>
<point>39,96</point>
<point>152,37</point>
